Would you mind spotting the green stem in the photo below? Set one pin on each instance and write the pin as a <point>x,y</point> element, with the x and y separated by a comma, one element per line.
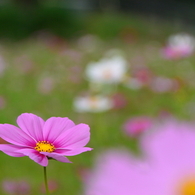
<point>45,179</point>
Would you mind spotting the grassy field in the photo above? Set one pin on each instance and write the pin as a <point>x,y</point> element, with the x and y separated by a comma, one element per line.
<point>43,75</point>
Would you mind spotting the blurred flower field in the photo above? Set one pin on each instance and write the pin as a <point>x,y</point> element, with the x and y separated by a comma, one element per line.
<point>120,77</point>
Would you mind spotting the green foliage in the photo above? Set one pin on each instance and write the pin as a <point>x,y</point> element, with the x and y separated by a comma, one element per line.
<point>18,22</point>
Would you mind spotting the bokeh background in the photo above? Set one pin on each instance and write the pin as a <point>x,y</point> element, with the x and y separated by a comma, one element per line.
<point>46,48</point>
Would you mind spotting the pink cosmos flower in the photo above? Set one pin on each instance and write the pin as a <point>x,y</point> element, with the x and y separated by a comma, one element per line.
<point>135,126</point>
<point>41,140</point>
<point>179,46</point>
<point>116,172</point>
<point>168,167</point>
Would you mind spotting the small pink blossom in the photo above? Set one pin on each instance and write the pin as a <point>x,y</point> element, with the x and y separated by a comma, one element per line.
<point>41,140</point>
<point>135,126</point>
<point>52,185</point>
<point>24,64</point>
<point>179,46</point>
<point>160,84</point>
<point>2,102</point>
<point>141,76</point>
<point>20,187</point>
<point>46,85</point>
<point>119,101</point>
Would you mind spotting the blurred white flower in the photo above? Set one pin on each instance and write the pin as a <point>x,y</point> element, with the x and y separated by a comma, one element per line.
<point>179,46</point>
<point>107,70</point>
<point>95,103</point>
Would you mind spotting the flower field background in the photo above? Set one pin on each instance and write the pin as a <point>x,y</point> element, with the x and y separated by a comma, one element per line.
<point>47,75</point>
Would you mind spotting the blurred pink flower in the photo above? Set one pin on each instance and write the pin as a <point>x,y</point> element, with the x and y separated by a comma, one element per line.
<point>161,84</point>
<point>46,85</point>
<point>24,64</point>
<point>170,149</point>
<point>179,46</point>
<point>116,172</point>
<point>52,185</point>
<point>73,55</point>
<point>83,173</point>
<point>141,76</point>
<point>168,167</point>
<point>137,125</point>
<point>75,74</point>
<point>2,102</point>
<point>18,187</point>
<point>119,101</point>
<point>51,41</point>
<point>42,140</point>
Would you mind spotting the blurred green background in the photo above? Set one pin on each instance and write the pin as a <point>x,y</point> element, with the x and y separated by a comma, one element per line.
<point>44,49</point>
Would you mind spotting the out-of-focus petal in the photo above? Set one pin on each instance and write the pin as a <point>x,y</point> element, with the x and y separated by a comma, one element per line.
<point>57,157</point>
<point>32,125</point>
<point>14,135</point>
<point>54,126</point>
<point>76,137</point>
<point>11,150</point>
<point>117,172</point>
<point>35,156</point>
<point>180,133</point>
<point>74,151</point>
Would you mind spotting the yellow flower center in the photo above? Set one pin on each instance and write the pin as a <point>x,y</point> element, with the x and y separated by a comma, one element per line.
<point>107,74</point>
<point>44,146</point>
<point>188,187</point>
<point>93,102</point>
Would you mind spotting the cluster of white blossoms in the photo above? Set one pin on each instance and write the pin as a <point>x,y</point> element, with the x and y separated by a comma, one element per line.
<point>102,76</point>
<point>107,70</point>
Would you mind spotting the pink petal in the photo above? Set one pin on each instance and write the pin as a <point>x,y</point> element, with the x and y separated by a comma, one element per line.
<point>10,150</point>
<point>31,125</point>
<point>76,137</point>
<point>57,157</point>
<point>54,126</point>
<point>35,156</point>
<point>14,135</point>
<point>73,151</point>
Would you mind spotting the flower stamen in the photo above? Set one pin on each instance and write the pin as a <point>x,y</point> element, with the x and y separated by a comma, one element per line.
<point>188,187</point>
<point>44,146</point>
